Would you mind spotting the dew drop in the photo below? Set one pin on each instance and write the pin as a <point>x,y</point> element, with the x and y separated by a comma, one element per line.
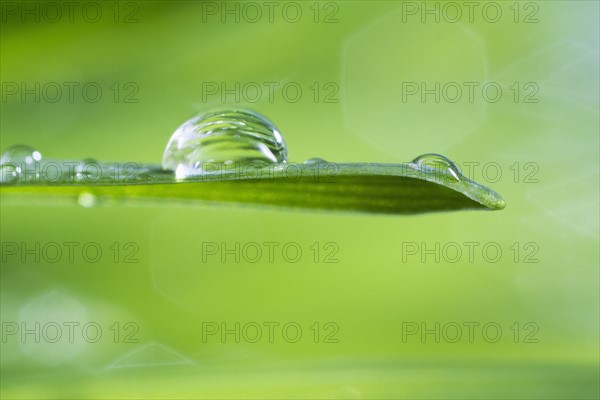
<point>21,154</point>
<point>17,161</point>
<point>225,138</point>
<point>432,162</point>
<point>87,200</point>
<point>88,170</point>
<point>315,160</point>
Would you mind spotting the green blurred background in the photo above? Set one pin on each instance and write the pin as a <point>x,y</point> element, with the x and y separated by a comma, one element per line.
<point>362,56</point>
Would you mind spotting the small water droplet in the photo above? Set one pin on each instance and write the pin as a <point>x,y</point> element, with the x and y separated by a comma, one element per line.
<point>316,160</point>
<point>88,170</point>
<point>224,138</point>
<point>87,200</point>
<point>437,162</point>
<point>20,161</point>
<point>21,154</point>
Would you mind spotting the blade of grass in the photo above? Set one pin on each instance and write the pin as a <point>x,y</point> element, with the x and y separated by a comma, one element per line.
<point>362,187</point>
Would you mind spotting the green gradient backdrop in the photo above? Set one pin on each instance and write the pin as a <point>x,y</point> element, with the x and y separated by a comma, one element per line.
<point>374,47</point>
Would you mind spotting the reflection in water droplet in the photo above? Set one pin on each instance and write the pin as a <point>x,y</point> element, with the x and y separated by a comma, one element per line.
<point>20,161</point>
<point>87,200</point>
<point>223,137</point>
<point>315,160</point>
<point>432,161</point>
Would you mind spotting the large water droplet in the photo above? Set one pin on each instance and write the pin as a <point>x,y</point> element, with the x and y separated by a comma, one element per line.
<point>432,162</point>
<point>223,137</point>
<point>20,161</point>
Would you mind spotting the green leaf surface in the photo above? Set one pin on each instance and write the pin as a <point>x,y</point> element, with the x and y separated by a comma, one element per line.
<point>356,187</point>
